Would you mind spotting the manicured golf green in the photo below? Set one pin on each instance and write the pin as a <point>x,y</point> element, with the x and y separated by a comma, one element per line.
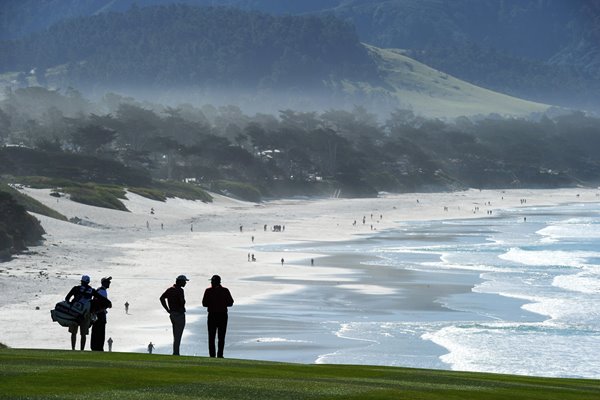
<point>44,374</point>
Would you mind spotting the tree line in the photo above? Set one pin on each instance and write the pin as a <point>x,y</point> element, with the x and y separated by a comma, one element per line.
<point>120,139</point>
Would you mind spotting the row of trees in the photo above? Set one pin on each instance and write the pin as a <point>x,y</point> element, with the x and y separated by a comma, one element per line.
<point>295,151</point>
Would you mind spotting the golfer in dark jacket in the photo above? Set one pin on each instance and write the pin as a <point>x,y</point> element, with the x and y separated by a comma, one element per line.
<point>99,327</point>
<point>216,299</point>
<point>175,298</point>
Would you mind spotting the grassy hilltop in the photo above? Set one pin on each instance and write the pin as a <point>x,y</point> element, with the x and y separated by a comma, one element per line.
<point>41,374</point>
<point>434,93</point>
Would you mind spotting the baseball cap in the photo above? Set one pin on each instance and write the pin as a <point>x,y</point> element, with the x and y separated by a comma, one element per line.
<point>182,278</point>
<point>85,278</point>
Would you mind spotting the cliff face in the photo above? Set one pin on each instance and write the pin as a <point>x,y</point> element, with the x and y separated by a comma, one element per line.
<point>18,229</point>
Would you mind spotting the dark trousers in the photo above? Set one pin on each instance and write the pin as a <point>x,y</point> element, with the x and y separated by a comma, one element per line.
<point>98,333</point>
<point>217,326</point>
<point>178,322</point>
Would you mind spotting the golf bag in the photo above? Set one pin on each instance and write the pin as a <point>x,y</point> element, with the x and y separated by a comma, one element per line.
<point>68,314</point>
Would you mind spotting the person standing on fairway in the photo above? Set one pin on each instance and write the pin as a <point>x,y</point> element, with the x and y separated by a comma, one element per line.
<point>216,299</point>
<point>173,300</point>
<point>80,297</point>
<point>99,326</point>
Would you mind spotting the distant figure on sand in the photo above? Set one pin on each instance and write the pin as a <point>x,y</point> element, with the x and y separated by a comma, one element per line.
<point>282,261</point>
<point>110,342</point>
<point>126,308</point>
<point>150,348</point>
<point>80,296</point>
<point>216,299</point>
<point>173,301</point>
<point>312,262</point>
<point>99,326</point>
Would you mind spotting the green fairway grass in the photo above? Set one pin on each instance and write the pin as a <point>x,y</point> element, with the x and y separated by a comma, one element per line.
<point>45,374</point>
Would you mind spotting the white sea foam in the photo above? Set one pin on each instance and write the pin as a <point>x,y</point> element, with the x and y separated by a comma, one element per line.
<point>548,257</point>
<point>578,312</point>
<point>516,348</point>
<point>574,228</point>
<point>587,281</point>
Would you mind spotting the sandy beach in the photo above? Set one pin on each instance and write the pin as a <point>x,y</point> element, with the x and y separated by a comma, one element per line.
<point>145,251</point>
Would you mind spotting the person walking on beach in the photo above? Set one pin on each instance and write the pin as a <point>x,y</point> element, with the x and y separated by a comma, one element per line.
<point>173,300</point>
<point>99,326</point>
<point>126,307</point>
<point>80,296</point>
<point>216,299</point>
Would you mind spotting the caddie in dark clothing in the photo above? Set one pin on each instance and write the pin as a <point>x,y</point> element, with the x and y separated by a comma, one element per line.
<point>173,300</point>
<point>80,296</point>
<point>216,299</point>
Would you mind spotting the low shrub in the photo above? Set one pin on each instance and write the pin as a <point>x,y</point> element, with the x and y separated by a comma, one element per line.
<point>240,190</point>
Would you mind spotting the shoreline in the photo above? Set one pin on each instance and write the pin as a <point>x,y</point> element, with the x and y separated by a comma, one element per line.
<point>144,262</point>
<point>404,297</point>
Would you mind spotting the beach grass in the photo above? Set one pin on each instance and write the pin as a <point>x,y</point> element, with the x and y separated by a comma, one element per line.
<point>42,374</point>
<point>100,195</point>
<point>31,204</point>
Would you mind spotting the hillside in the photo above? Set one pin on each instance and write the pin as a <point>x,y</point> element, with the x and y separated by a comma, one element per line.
<point>433,93</point>
<point>19,18</point>
<point>545,51</point>
<point>178,46</point>
<point>245,58</point>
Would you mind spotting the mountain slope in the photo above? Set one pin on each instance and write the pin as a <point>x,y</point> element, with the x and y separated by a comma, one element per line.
<point>181,45</point>
<point>436,94</point>
<point>315,61</point>
<point>534,29</point>
<point>541,50</point>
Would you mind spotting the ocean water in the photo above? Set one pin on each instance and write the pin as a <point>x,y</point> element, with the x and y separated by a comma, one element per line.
<point>496,294</point>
